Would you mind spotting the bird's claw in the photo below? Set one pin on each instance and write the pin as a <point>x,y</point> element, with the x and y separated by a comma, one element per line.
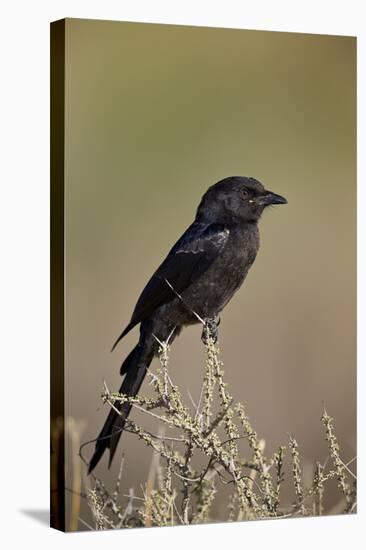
<point>210,331</point>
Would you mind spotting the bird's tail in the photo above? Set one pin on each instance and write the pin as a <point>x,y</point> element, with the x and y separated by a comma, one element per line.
<point>135,366</point>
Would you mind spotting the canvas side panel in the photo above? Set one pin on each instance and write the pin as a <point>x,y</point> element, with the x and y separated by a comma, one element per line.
<point>57,496</point>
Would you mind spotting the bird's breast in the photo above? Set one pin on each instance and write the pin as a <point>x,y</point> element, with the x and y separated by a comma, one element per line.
<point>214,289</point>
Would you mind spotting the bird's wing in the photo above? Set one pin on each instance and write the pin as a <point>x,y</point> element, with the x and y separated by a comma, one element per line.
<point>189,258</point>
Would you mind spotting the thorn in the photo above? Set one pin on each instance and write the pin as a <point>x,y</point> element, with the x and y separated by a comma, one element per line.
<point>171,334</point>
<point>181,299</point>
<point>158,341</point>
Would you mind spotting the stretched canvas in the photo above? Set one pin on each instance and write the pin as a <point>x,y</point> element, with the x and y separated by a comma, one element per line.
<point>203,202</point>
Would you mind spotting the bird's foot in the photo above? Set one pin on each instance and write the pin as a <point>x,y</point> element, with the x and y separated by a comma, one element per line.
<point>210,330</point>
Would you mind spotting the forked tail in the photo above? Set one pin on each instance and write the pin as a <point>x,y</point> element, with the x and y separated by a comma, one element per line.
<point>135,366</point>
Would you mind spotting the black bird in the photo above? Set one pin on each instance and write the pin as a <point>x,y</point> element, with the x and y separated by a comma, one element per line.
<point>199,276</point>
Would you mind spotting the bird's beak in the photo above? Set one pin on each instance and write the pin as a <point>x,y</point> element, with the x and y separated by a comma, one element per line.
<point>272,198</point>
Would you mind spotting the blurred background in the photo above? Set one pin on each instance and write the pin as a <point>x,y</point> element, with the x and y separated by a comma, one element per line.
<point>154,115</point>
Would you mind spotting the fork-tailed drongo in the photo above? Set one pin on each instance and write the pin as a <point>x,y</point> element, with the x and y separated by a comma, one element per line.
<point>199,276</point>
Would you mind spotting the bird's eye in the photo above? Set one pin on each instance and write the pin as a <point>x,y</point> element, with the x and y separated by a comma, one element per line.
<point>244,194</point>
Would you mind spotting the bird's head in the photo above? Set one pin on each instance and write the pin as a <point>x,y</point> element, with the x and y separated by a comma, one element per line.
<point>236,199</point>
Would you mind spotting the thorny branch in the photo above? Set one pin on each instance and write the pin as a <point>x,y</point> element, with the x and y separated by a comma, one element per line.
<point>183,492</point>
